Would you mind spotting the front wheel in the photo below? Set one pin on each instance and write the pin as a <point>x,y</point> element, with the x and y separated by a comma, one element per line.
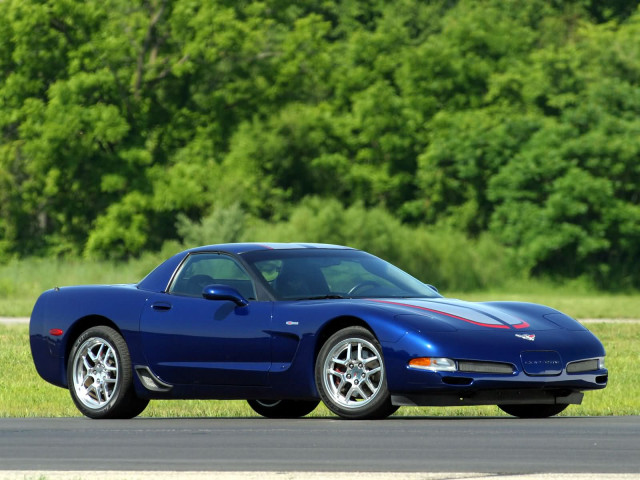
<point>533,410</point>
<point>99,375</point>
<point>283,408</point>
<point>351,376</point>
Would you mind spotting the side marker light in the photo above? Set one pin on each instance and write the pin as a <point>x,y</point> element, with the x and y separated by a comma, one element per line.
<point>56,332</point>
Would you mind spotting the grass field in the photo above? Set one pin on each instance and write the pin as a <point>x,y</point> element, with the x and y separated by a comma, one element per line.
<point>24,394</point>
<point>22,281</point>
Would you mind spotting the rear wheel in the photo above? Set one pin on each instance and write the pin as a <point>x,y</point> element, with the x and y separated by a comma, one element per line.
<point>283,408</point>
<point>533,410</point>
<point>351,376</point>
<point>99,375</point>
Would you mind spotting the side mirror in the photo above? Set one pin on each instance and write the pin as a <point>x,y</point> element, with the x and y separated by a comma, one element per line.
<point>224,292</point>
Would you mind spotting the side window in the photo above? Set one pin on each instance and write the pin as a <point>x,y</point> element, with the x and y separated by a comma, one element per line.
<point>344,276</point>
<point>202,269</point>
<point>269,269</point>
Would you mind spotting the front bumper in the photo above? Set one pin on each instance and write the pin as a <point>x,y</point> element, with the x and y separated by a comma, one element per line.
<point>424,388</point>
<point>488,397</point>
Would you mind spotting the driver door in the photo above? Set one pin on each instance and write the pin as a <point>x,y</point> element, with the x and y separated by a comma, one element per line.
<point>188,339</point>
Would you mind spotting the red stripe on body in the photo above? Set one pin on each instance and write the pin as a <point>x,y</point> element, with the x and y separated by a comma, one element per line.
<point>488,325</point>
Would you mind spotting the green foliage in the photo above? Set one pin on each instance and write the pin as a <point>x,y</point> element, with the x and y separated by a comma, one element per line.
<point>122,122</point>
<point>445,258</point>
<point>568,199</point>
<point>223,225</point>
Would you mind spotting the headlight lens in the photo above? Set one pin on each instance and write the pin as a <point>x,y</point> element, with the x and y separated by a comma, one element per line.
<point>435,364</point>
<point>590,365</point>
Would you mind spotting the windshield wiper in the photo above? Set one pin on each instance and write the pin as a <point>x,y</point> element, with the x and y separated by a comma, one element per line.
<point>321,297</point>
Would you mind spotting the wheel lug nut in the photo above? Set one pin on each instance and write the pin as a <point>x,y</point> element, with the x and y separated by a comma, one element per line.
<point>348,375</point>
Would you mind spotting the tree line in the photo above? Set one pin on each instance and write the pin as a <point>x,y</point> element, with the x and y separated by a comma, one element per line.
<point>122,121</point>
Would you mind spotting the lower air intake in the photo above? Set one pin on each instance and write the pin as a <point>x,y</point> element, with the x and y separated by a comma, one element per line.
<point>484,367</point>
<point>457,380</point>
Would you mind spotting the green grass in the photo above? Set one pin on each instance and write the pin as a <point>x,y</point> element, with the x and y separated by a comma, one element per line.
<point>24,394</point>
<point>22,281</point>
<point>576,305</point>
<point>573,298</point>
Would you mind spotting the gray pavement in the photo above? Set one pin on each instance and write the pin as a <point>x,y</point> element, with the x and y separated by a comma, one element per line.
<point>14,320</point>
<point>499,445</point>
<point>131,475</point>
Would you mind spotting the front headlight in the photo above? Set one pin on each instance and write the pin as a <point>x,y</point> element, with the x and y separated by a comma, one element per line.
<point>435,364</point>
<point>590,365</point>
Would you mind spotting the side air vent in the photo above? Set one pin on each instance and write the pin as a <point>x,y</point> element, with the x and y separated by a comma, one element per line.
<point>484,367</point>
<point>150,381</point>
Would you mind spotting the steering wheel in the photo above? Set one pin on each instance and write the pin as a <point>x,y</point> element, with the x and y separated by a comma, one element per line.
<point>366,283</point>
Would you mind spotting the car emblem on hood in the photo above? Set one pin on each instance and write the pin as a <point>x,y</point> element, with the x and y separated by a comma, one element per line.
<point>527,336</point>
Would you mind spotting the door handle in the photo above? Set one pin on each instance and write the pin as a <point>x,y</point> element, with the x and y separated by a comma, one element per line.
<point>161,306</point>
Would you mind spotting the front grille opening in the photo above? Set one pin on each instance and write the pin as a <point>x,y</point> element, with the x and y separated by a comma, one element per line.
<point>602,378</point>
<point>485,367</point>
<point>583,366</point>
<point>457,380</point>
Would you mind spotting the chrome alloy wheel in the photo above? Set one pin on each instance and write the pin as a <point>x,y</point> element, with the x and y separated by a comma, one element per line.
<point>353,373</point>
<point>95,372</point>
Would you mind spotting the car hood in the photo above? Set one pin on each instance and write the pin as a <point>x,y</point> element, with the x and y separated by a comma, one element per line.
<point>449,314</point>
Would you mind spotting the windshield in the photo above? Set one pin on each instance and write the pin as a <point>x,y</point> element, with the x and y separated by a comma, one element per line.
<point>331,273</point>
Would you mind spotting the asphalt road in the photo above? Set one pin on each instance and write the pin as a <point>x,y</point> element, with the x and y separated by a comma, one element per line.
<point>492,445</point>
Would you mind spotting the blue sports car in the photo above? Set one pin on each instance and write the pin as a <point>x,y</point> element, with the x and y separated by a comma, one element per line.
<point>286,326</point>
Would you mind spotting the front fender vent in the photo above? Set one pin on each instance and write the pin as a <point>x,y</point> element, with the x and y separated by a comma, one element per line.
<point>150,381</point>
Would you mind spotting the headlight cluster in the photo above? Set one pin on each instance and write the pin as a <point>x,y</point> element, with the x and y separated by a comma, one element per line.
<point>586,365</point>
<point>440,364</point>
<point>435,364</point>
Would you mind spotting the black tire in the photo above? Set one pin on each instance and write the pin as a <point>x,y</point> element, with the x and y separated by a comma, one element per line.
<point>533,410</point>
<point>283,408</point>
<point>351,377</point>
<point>100,376</point>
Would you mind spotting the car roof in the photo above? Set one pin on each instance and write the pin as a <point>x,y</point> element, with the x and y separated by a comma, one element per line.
<point>252,246</point>
<point>158,279</point>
